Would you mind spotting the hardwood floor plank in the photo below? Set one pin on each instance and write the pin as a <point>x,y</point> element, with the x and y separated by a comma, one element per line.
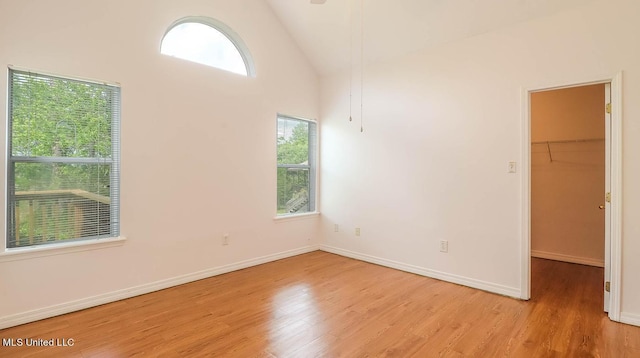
<point>324,305</point>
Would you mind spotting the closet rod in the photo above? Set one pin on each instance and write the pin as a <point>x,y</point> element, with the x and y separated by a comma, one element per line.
<point>549,142</point>
<point>569,141</point>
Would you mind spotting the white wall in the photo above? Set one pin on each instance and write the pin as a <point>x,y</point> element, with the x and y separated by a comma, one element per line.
<point>198,144</point>
<point>440,129</point>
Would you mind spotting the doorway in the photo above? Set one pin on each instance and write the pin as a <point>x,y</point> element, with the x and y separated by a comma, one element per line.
<point>564,148</point>
<point>568,180</point>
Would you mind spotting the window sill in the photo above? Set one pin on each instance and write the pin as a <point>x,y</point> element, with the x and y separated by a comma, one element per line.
<point>27,253</point>
<point>284,218</point>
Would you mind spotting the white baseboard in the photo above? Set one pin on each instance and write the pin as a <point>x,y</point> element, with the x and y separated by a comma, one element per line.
<point>63,308</point>
<point>630,318</point>
<point>460,280</point>
<point>567,258</point>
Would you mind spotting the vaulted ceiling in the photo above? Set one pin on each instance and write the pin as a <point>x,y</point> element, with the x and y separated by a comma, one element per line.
<point>396,27</point>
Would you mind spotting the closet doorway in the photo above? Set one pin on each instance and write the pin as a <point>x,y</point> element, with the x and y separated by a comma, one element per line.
<point>569,179</point>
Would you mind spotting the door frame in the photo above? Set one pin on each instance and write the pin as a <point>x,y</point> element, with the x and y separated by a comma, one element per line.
<point>616,186</point>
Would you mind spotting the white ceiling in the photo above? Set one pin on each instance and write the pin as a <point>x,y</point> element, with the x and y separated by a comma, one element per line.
<point>396,27</point>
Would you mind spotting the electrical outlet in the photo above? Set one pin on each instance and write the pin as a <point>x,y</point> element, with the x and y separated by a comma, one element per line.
<point>225,239</point>
<point>336,228</point>
<point>444,246</point>
<point>357,231</point>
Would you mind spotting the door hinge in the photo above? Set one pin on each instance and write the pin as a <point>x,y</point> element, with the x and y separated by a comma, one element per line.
<point>607,286</point>
<point>607,197</point>
<point>608,108</point>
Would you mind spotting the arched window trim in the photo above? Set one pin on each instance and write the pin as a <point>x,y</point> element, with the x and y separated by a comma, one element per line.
<point>235,39</point>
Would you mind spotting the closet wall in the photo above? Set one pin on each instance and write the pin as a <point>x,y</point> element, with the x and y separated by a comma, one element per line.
<point>567,174</point>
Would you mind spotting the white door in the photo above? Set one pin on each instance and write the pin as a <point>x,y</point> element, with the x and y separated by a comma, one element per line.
<point>606,205</point>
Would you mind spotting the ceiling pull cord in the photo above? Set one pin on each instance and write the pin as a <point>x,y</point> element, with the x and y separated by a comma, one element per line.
<point>362,66</point>
<point>350,62</point>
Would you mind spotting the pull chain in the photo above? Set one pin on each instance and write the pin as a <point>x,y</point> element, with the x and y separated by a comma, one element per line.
<point>362,66</point>
<point>350,62</point>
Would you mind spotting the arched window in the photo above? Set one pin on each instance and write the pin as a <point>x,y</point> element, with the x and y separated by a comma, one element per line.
<point>209,42</point>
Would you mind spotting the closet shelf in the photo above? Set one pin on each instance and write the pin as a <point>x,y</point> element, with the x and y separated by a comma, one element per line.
<point>565,141</point>
<point>569,141</point>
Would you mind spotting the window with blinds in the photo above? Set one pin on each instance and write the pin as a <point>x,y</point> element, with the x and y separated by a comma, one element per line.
<point>297,141</point>
<point>63,163</point>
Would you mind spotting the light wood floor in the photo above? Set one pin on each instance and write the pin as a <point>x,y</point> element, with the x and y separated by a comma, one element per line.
<point>321,304</point>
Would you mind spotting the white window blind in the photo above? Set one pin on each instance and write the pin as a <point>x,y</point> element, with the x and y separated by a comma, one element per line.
<point>64,153</point>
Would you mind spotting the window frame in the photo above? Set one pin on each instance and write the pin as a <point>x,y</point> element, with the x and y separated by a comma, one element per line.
<point>225,30</point>
<point>113,161</point>
<point>311,166</point>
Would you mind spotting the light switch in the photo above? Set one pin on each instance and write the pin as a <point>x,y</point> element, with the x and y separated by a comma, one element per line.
<point>512,167</point>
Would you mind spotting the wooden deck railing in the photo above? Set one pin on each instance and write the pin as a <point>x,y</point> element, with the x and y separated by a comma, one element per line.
<point>54,215</point>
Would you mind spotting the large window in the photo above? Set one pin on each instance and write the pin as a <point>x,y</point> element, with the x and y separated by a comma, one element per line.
<point>296,165</point>
<point>63,160</point>
<point>209,42</point>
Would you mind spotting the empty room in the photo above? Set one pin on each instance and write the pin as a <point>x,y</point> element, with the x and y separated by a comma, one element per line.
<point>320,178</point>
